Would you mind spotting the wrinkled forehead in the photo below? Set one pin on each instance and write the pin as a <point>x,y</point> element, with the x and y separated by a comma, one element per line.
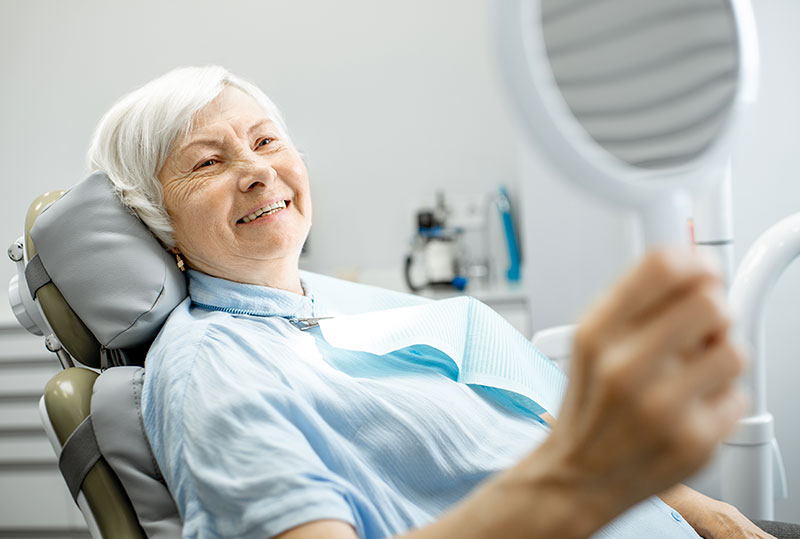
<point>231,107</point>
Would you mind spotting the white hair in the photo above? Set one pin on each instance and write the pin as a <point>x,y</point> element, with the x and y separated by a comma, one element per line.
<point>134,138</point>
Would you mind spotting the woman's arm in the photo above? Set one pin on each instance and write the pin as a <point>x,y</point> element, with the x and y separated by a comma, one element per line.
<point>712,519</point>
<point>510,505</point>
<point>651,394</point>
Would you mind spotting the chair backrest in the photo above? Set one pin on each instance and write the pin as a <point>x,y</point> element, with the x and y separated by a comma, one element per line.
<point>64,407</point>
<point>105,286</point>
<point>119,430</point>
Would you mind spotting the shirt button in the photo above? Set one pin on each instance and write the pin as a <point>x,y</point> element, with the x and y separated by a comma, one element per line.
<point>676,516</point>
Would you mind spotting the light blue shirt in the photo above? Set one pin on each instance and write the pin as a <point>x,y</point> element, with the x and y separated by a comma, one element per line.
<point>259,427</point>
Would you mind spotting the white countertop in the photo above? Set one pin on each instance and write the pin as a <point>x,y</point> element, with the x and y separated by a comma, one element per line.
<point>393,279</point>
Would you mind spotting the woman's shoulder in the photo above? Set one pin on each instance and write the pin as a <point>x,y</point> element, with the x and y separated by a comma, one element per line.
<point>183,326</point>
<point>187,333</point>
<point>214,338</point>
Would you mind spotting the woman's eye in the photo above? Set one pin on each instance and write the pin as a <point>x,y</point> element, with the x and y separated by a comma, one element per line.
<point>263,142</point>
<point>206,163</point>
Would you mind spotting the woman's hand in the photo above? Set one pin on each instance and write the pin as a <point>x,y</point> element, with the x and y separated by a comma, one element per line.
<point>723,521</point>
<point>651,394</point>
<point>712,519</point>
<point>651,389</point>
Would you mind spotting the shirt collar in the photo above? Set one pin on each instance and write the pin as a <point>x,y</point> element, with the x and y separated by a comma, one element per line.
<point>218,294</point>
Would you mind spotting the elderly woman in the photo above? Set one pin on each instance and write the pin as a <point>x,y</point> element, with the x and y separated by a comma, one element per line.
<point>263,430</point>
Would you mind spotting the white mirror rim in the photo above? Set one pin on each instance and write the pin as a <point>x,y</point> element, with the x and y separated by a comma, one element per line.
<point>550,123</point>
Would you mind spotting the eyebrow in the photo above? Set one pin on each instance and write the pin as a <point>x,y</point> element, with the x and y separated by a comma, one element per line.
<point>259,125</point>
<point>201,142</point>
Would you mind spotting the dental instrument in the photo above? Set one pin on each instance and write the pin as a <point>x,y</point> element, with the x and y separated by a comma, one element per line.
<point>639,102</point>
<point>752,464</point>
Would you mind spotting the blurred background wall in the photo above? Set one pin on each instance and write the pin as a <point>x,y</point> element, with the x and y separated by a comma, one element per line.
<point>389,101</point>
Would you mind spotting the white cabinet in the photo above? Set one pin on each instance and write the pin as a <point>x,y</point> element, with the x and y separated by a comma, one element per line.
<point>34,501</point>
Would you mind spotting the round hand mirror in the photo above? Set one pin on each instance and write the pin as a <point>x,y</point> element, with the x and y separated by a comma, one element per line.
<point>635,100</point>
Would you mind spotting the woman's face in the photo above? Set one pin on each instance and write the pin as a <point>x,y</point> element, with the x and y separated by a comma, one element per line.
<point>237,193</point>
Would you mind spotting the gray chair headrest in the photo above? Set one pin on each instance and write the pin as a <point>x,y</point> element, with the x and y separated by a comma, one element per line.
<point>112,271</point>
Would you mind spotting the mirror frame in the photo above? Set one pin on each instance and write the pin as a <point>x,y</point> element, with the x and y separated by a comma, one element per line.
<point>550,124</point>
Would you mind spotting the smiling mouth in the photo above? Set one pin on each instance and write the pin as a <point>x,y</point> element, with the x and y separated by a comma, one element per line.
<point>275,207</point>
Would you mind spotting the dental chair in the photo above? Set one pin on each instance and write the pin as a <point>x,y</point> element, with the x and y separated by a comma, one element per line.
<point>85,238</point>
<point>92,413</point>
<point>97,284</point>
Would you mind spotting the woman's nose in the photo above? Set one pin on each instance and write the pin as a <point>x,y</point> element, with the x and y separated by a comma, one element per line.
<point>255,172</point>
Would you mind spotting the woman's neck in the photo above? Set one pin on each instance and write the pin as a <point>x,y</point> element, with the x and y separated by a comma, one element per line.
<point>280,274</point>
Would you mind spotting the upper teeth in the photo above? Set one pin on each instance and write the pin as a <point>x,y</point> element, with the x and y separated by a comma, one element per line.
<point>272,208</point>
